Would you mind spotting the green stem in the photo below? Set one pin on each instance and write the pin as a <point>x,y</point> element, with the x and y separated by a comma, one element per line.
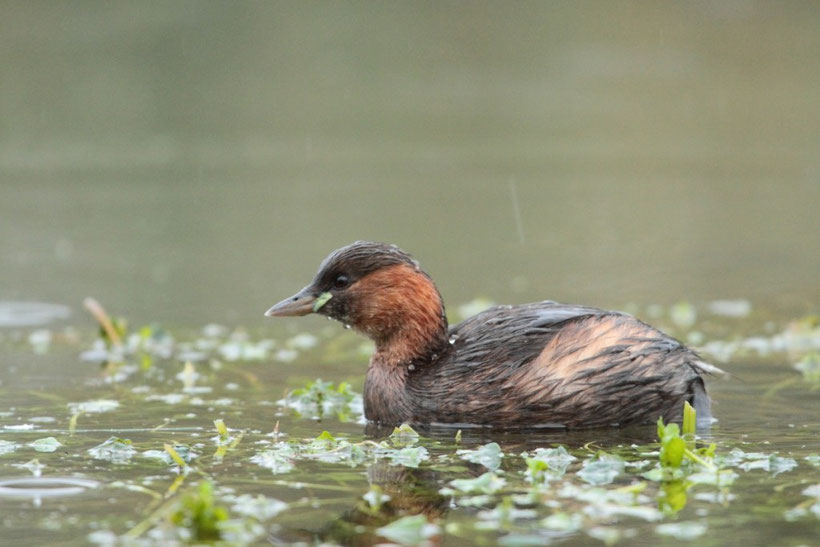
<point>697,459</point>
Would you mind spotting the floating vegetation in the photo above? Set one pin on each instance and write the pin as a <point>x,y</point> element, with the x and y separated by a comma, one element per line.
<point>488,483</point>
<point>199,514</point>
<point>114,450</point>
<point>93,407</point>
<point>809,366</point>
<point>602,469</point>
<point>488,455</point>
<point>410,530</point>
<point>258,507</point>
<point>547,464</point>
<point>47,444</point>
<point>7,447</point>
<point>320,399</point>
<point>186,476</point>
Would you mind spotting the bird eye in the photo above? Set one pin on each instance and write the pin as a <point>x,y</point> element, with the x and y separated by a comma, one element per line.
<point>341,281</point>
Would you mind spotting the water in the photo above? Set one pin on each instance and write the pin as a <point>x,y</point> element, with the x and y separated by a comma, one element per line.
<point>192,163</point>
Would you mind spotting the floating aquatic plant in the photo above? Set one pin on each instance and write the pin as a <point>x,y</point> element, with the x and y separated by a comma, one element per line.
<point>602,469</point>
<point>321,399</point>
<point>199,513</point>
<point>410,530</point>
<point>547,464</point>
<point>114,450</point>
<point>47,444</point>
<point>809,365</point>
<point>488,455</point>
<point>488,483</point>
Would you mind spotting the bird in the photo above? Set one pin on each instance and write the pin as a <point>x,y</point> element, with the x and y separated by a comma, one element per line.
<point>537,365</point>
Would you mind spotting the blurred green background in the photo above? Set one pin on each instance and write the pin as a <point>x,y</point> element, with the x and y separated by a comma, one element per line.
<point>194,161</point>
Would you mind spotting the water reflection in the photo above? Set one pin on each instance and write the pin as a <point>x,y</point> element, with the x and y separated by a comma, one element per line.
<point>405,492</point>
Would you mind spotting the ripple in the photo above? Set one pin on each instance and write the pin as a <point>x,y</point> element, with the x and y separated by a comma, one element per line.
<point>42,487</point>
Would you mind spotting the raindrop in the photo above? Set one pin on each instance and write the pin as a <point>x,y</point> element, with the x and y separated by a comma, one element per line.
<point>347,326</point>
<point>411,367</point>
<point>453,339</point>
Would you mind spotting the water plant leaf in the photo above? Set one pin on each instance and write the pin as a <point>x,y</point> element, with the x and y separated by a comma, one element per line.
<point>689,419</point>
<point>488,483</point>
<point>601,470</point>
<point>772,463</point>
<point>672,452</point>
<point>6,447</point>
<point>410,530</point>
<point>32,466</point>
<point>723,477</point>
<point>488,455</point>
<point>547,464</point>
<point>222,430</point>
<point>114,450</point>
<point>175,456</point>
<point>321,300</point>
<point>684,531</point>
<point>182,450</point>
<point>809,365</point>
<point>404,435</point>
<point>278,459</point>
<point>320,399</point>
<point>410,456</point>
<point>198,512</point>
<point>324,440</point>
<point>503,514</point>
<point>47,444</point>
<point>564,522</point>
<point>259,507</point>
<point>92,407</point>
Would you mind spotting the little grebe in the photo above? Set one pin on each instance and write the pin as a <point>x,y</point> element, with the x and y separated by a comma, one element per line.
<point>541,364</point>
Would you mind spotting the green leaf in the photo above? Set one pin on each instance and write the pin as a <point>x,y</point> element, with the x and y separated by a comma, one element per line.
<point>681,530</point>
<point>321,301</point>
<point>197,511</point>
<point>221,429</point>
<point>47,444</point>
<point>602,470</point>
<point>410,456</point>
<point>410,530</point>
<point>689,419</point>
<point>488,483</point>
<point>174,455</point>
<point>488,455</point>
<point>672,452</point>
<point>114,450</point>
<point>325,436</point>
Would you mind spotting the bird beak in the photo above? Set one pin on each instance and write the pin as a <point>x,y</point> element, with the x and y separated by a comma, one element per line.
<point>301,303</point>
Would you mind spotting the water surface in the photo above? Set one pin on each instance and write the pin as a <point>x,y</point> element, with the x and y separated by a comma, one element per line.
<point>192,163</point>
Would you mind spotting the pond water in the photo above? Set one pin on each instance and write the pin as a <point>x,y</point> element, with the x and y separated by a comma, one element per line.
<point>189,165</point>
